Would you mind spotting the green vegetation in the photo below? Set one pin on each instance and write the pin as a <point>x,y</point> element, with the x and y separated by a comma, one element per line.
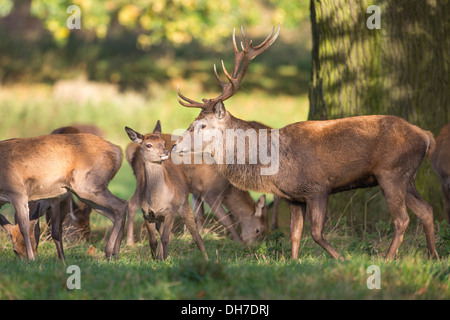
<point>261,271</point>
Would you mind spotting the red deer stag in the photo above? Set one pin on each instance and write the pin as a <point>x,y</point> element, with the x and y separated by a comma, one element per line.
<point>163,191</point>
<point>50,166</point>
<point>440,161</point>
<point>207,184</point>
<point>310,160</point>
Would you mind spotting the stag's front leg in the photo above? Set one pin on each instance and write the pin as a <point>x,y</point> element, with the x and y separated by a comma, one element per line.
<point>298,212</point>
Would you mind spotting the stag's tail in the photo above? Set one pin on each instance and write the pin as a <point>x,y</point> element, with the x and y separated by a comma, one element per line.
<point>431,143</point>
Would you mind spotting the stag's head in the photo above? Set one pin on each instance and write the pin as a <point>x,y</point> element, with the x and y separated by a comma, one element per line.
<point>17,237</point>
<point>214,118</point>
<point>153,147</point>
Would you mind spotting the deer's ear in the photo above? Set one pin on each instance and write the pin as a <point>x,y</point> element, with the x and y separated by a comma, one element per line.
<point>157,129</point>
<point>134,136</point>
<point>259,206</point>
<point>219,110</point>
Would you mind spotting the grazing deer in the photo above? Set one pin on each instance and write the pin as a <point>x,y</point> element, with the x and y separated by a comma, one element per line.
<point>440,161</point>
<point>314,159</point>
<point>163,191</point>
<point>207,184</point>
<point>48,167</point>
<point>70,219</point>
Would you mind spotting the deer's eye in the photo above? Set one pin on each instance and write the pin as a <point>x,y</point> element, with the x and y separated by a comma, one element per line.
<point>203,126</point>
<point>148,145</point>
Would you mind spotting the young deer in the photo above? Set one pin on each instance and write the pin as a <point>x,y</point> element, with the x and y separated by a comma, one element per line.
<point>440,161</point>
<point>315,158</point>
<point>50,166</point>
<point>207,184</point>
<point>163,191</point>
<point>70,219</point>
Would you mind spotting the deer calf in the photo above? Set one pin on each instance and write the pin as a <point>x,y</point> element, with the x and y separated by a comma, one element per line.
<point>50,166</point>
<point>440,161</point>
<point>208,185</point>
<point>163,191</point>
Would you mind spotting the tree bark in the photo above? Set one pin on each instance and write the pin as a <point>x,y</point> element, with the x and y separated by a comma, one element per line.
<point>400,69</point>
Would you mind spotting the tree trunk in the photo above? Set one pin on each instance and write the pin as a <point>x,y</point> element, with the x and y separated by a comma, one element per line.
<point>400,69</point>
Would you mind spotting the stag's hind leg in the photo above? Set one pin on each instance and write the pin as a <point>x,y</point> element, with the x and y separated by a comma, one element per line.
<point>394,191</point>
<point>318,208</point>
<point>425,213</point>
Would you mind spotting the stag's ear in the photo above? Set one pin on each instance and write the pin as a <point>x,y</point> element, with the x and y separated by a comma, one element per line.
<point>259,206</point>
<point>219,110</point>
<point>157,129</point>
<point>134,136</point>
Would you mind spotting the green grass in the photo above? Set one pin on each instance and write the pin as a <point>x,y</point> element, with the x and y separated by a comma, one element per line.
<point>261,271</point>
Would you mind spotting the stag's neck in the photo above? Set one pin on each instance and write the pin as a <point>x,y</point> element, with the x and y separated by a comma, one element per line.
<point>246,176</point>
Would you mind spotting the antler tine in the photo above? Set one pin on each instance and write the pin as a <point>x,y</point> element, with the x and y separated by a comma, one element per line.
<point>230,78</point>
<point>242,60</point>
<point>269,37</point>
<point>236,50</point>
<point>191,104</point>
<point>218,78</point>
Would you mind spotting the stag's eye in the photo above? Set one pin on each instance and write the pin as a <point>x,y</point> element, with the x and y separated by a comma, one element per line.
<point>148,145</point>
<point>203,126</point>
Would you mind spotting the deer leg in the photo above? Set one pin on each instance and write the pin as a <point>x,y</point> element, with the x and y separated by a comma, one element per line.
<point>298,212</point>
<point>425,213</point>
<point>199,210</point>
<point>395,195</point>
<point>276,202</point>
<point>133,206</point>
<point>188,218</point>
<point>56,220</point>
<point>153,242</point>
<point>115,209</point>
<point>318,209</point>
<point>446,191</point>
<point>222,216</point>
<point>20,205</point>
<point>166,233</point>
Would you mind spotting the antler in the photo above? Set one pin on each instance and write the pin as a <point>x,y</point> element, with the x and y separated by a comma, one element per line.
<point>242,60</point>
